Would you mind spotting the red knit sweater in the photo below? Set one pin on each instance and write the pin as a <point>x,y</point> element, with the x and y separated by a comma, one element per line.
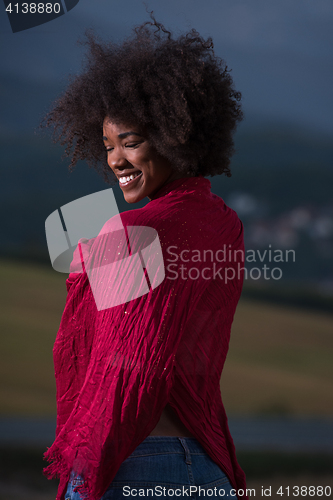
<point>147,321</point>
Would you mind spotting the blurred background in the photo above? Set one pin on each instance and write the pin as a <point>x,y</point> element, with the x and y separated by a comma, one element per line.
<point>277,385</point>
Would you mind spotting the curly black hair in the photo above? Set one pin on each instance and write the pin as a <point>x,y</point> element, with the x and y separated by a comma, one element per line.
<point>177,89</point>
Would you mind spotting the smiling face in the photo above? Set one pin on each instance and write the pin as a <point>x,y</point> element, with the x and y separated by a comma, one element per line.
<point>141,171</point>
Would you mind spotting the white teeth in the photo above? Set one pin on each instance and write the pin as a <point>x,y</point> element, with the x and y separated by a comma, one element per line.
<point>124,180</point>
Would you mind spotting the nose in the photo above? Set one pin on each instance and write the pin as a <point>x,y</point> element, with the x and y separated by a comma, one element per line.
<point>117,160</point>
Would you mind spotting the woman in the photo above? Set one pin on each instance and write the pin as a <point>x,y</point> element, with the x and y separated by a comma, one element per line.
<point>138,365</point>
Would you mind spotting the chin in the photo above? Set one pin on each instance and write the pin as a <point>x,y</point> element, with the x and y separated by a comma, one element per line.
<point>133,199</point>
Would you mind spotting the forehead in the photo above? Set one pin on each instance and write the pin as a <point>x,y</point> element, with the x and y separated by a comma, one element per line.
<point>117,127</point>
<point>112,124</point>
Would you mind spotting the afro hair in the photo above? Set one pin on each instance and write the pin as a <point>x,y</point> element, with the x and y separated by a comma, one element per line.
<point>177,89</point>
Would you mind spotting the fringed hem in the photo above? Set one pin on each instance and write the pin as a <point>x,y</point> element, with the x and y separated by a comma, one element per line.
<point>59,468</point>
<point>83,490</point>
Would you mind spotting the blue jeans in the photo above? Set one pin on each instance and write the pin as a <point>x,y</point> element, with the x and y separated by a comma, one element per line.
<point>162,467</point>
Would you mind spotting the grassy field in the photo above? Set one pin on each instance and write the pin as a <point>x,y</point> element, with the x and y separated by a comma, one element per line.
<point>279,362</point>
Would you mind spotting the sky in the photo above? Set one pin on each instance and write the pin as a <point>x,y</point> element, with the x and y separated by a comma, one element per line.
<point>280,52</point>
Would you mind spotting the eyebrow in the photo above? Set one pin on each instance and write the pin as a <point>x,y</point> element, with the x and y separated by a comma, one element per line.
<point>123,135</point>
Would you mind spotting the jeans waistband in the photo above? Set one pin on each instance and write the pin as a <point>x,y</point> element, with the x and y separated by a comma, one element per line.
<point>155,445</point>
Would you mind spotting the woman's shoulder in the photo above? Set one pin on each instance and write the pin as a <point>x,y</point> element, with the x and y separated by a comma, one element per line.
<point>129,218</point>
<point>186,213</point>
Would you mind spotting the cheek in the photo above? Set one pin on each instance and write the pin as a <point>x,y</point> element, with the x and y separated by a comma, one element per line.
<point>146,154</point>
<point>140,156</point>
<point>108,158</point>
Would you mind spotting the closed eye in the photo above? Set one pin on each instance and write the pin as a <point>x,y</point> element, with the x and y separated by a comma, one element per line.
<point>132,145</point>
<point>127,146</point>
